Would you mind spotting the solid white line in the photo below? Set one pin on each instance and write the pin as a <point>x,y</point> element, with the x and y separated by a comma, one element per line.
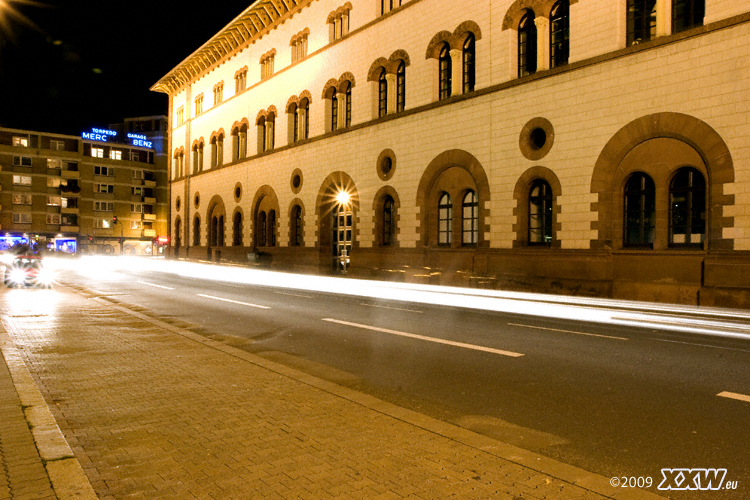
<point>734,395</point>
<point>393,308</point>
<point>701,345</point>
<point>157,286</point>
<point>428,339</point>
<point>295,295</point>
<point>568,331</point>
<point>233,301</point>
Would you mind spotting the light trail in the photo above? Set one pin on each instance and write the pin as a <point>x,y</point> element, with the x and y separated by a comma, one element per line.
<point>154,285</point>
<point>233,301</point>
<point>602,311</point>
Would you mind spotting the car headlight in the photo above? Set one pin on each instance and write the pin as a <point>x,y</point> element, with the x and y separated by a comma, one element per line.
<point>18,276</point>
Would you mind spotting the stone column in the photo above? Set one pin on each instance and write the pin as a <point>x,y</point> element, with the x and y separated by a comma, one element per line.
<point>457,72</point>
<point>542,43</point>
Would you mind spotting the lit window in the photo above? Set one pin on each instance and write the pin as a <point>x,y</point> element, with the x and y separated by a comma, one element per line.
<point>21,199</point>
<point>137,191</point>
<point>115,154</point>
<point>53,182</point>
<point>104,206</point>
<point>136,224</point>
<point>22,180</point>
<point>136,208</point>
<point>24,218</point>
<point>97,152</point>
<point>21,141</point>
<point>53,219</point>
<point>54,163</point>
<point>102,223</point>
<point>54,201</point>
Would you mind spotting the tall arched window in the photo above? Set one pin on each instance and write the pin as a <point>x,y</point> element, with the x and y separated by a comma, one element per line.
<point>262,228</point>
<point>235,144</point>
<point>334,111</point>
<point>540,213</point>
<point>213,234</point>
<point>641,21</point>
<point>401,87</point>
<point>687,202</point>
<point>559,33</point>
<point>196,231</point>
<point>262,135</point>
<point>639,211</point>
<point>445,220</point>
<point>348,105</point>
<point>297,226</point>
<point>445,65</point>
<point>294,122</point>
<point>470,219</point>
<point>178,233</point>
<point>469,56</point>
<point>196,164</point>
<point>382,94</point>
<point>389,212</point>
<point>527,44</point>
<point>687,14</point>
<point>237,229</point>
<point>243,141</point>
<point>304,108</point>
<point>272,228</point>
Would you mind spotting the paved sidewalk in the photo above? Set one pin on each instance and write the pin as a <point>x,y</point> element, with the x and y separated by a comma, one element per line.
<point>154,411</point>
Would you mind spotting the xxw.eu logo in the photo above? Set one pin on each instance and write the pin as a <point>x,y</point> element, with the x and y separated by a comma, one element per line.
<point>694,479</point>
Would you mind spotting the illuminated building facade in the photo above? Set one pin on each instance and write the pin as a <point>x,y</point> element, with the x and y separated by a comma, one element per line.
<point>64,193</point>
<point>593,147</point>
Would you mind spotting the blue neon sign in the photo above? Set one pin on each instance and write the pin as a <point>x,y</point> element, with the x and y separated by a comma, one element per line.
<point>140,140</point>
<point>98,134</point>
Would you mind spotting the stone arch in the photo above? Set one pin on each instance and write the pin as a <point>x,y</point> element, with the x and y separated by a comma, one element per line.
<point>264,201</point>
<point>377,206</point>
<point>691,131</point>
<point>466,169</point>
<point>521,211</point>
<point>215,221</point>
<point>293,101</point>
<point>462,31</point>
<point>330,83</point>
<point>305,94</point>
<point>433,48</point>
<point>347,77</point>
<point>397,57</point>
<point>374,72</point>
<point>518,8</point>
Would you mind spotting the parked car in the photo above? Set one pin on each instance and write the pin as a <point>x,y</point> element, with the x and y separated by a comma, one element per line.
<point>27,270</point>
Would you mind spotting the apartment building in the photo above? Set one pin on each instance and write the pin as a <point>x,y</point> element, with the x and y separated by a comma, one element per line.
<point>593,147</point>
<point>104,192</point>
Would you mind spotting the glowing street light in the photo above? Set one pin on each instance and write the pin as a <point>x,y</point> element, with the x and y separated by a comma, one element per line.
<point>343,198</point>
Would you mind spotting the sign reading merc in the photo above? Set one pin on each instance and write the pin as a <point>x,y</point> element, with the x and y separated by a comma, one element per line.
<point>103,135</point>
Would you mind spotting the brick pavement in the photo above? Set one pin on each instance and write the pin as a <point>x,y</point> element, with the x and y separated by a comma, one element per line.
<point>154,411</point>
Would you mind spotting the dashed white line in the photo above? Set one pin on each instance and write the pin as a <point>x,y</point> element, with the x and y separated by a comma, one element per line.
<point>154,285</point>
<point>294,295</point>
<point>233,301</point>
<point>392,308</point>
<point>702,345</point>
<point>428,339</point>
<point>568,331</point>
<point>734,395</point>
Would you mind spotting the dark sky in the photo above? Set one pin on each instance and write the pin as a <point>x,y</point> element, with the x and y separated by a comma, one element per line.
<point>90,63</point>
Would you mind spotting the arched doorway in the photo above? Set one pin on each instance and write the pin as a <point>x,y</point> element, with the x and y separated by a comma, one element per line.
<point>337,206</point>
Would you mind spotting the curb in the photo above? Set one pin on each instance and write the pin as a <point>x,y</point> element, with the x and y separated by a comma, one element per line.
<point>65,472</point>
<point>579,477</point>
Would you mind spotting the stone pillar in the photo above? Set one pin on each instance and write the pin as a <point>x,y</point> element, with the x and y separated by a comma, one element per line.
<point>457,72</point>
<point>391,85</point>
<point>342,110</point>
<point>542,43</point>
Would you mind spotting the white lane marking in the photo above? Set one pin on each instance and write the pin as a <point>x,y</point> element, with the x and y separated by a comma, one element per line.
<point>734,395</point>
<point>701,345</point>
<point>295,295</point>
<point>233,301</point>
<point>393,308</point>
<point>428,339</point>
<point>157,286</point>
<point>568,331</point>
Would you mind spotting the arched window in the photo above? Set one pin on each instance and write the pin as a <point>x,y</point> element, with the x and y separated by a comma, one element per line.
<point>196,231</point>
<point>235,144</point>
<point>304,108</point>
<point>527,44</point>
<point>389,226</point>
<point>262,135</point>
<point>640,208</point>
<point>445,68</point>
<point>382,94</point>
<point>348,105</point>
<point>559,33</point>
<point>687,14</point>
<point>297,226</point>
<point>270,131</point>
<point>294,122</point>
<point>540,213</point>
<point>687,202</point>
<point>262,227</point>
<point>243,141</point>
<point>641,21</point>
<point>237,229</point>
<point>401,87</point>
<point>469,56</point>
<point>196,159</point>
<point>272,228</point>
<point>213,235</point>
<point>470,219</point>
<point>334,111</point>
<point>445,220</point>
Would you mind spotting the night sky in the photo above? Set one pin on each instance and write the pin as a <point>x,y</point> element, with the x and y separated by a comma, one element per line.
<point>90,63</point>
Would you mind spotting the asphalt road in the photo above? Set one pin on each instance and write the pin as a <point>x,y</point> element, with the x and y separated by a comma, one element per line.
<point>622,401</point>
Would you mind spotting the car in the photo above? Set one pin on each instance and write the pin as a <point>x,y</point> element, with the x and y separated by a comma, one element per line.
<point>27,270</point>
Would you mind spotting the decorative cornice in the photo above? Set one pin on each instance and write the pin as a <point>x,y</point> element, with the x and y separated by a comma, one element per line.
<point>256,21</point>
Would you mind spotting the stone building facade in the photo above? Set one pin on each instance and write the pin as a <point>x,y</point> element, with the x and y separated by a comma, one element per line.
<point>595,147</point>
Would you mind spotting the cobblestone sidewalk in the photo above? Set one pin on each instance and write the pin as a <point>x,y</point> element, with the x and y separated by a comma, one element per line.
<point>152,411</point>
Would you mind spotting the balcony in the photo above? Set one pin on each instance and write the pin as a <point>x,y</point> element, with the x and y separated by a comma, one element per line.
<point>149,233</point>
<point>69,229</point>
<point>70,174</point>
<point>148,200</point>
<point>149,184</point>
<point>69,210</point>
<point>151,217</point>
